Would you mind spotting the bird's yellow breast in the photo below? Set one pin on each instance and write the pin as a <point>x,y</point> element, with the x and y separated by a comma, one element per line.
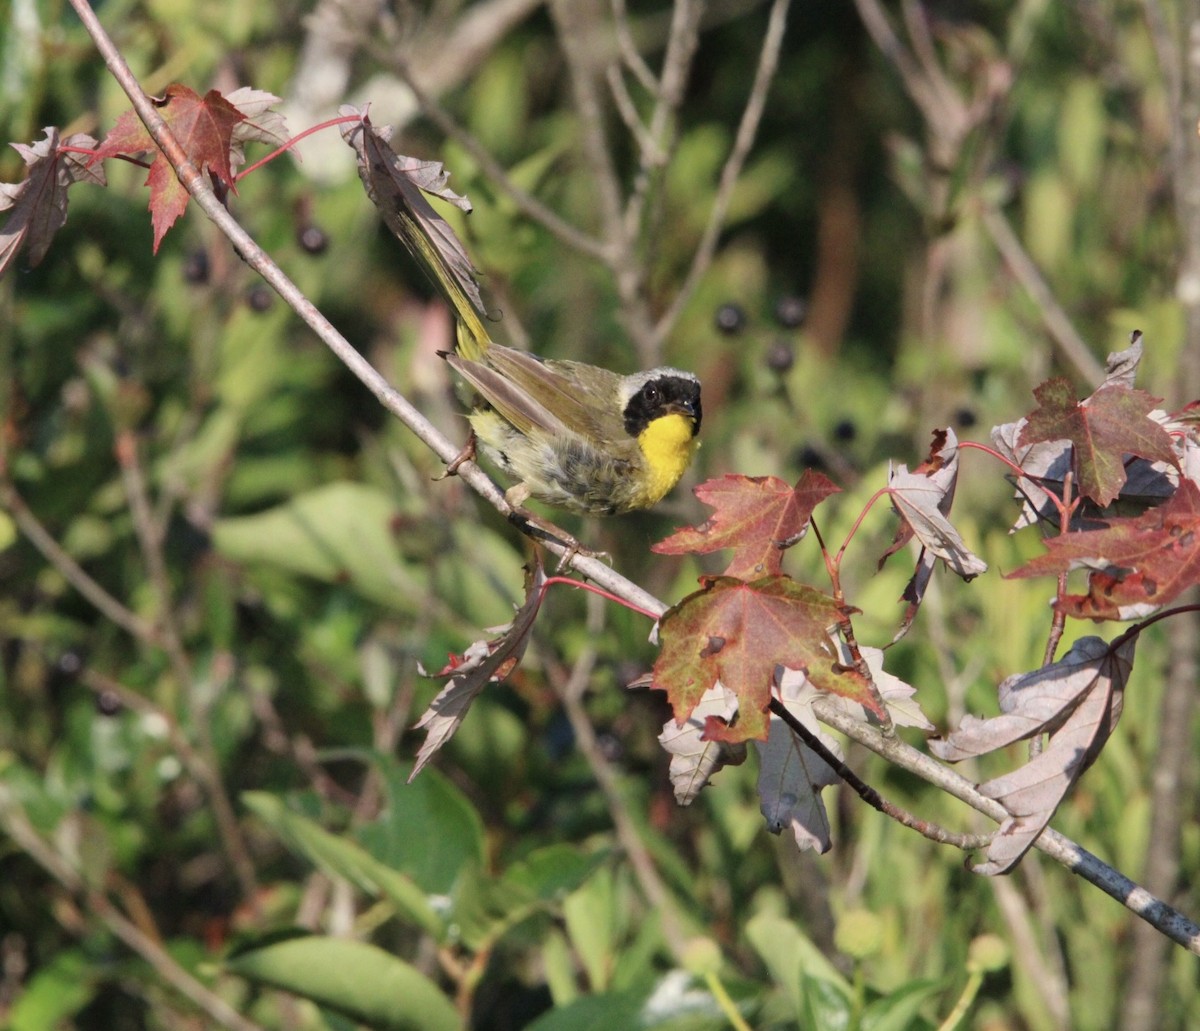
<point>668,444</point>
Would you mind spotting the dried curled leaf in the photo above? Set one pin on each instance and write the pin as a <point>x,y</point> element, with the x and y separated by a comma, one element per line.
<point>1077,701</point>
<point>396,186</point>
<point>694,758</point>
<point>922,497</point>
<point>37,205</point>
<point>484,662</point>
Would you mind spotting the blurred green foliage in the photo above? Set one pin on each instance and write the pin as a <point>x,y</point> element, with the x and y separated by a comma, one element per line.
<point>216,472</point>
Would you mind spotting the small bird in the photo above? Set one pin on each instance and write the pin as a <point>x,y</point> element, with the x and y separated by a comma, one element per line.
<point>575,436</point>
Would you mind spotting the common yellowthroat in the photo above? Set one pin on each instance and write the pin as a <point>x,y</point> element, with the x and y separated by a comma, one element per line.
<point>574,435</point>
<point>577,436</point>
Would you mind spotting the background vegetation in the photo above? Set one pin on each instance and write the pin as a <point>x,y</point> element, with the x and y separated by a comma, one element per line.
<point>222,564</point>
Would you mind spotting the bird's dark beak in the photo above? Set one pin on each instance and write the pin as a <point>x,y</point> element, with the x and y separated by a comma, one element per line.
<point>690,408</point>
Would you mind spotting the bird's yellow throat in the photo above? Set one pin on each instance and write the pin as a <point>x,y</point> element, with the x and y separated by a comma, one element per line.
<point>668,444</point>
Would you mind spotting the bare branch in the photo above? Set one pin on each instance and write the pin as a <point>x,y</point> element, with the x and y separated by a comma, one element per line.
<point>1168,920</point>
<point>17,826</point>
<point>932,831</point>
<point>71,571</point>
<point>768,62</point>
<point>629,51</point>
<point>1070,344</point>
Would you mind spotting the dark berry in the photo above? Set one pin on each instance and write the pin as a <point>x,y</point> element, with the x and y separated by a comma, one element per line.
<point>610,746</point>
<point>313,239</point>
<point>195,268</point>
<point>790,311</point>
<point>730,318</point>
<point>108,703</point>
<point>780,357</point>
<point>845,431</point>
<point>260,297</point>
<point>965,418</point>
<point>809,457</point>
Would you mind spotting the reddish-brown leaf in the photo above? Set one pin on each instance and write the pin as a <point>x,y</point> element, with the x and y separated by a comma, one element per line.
<point>1103,429</point>
<point>1138,564</point>
<point>737,633</point>
<point>203,126</point>
<point>37,205</point>
<point>757,516</point>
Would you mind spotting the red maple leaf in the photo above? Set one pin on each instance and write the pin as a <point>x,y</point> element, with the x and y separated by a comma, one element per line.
<point>757,516</point>
<point>1102,429</point>
<point>1137,564</point>
<point>204,128</point>
<point>737,633</point>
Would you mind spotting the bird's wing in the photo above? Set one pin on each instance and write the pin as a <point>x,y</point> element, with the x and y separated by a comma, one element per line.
<point>541,396</point>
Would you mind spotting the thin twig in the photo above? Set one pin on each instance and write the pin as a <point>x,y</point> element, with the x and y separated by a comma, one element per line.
<point>640,860</point>
<point>652,154</point>
<point>681,50</point>
<point>628,48</point>
<point>932,831</point>
<point>768,62</point>
<point>16,824</point>
<point>1064,334</point>
<point>578,26</point>
<point>71,571</point>
<point>1174,924</point>
<point>150,536</point>
<point>924,93</point>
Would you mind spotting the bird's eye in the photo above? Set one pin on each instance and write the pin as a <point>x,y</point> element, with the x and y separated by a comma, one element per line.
<point>651,393</point>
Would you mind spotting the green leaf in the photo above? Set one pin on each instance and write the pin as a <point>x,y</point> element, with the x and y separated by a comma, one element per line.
<point>339,533</point>
<point>590,914</point>
<point>898,1010</point>
<point>343,858</point>
<point>825,1006</point>
<point>356,979</point>
<point>56,992</point>
<point>812,984</point>
<point>550,873</point>
<point>594,1013</point>
<point>430,811</point>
